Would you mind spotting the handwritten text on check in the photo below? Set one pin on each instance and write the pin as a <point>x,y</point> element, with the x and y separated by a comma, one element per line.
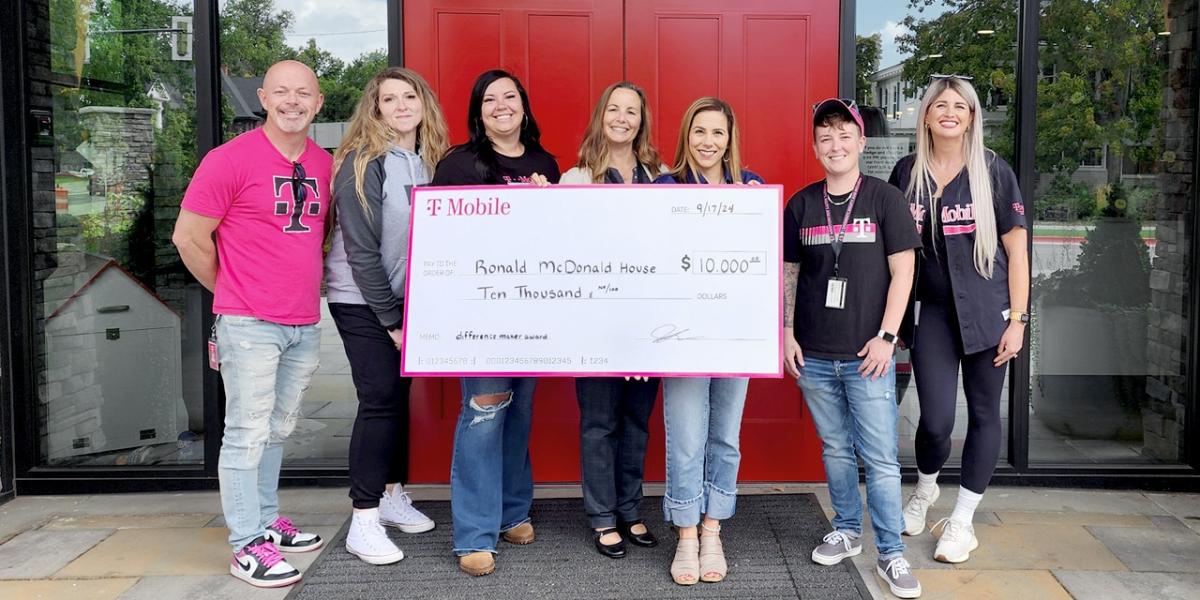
<point>590,280</point>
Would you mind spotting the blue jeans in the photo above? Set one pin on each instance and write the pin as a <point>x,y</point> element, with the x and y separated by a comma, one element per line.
<point>853,413</point>
<point>266,367</point>
<point>491,477</point>
<point>703,420</point>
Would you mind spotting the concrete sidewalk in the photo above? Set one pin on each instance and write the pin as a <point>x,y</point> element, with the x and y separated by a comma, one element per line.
<point>1035,543</point>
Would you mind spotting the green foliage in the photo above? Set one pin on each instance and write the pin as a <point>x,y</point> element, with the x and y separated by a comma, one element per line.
<point>1065,200</point>
<point>343,92</point>
<point>1144,201</point>
<point>988,59</point>
<point>1102,63</point>
<point>252,36</point>
<point>868,50</point>
<point>107,232</point>
<point>1113,270</point>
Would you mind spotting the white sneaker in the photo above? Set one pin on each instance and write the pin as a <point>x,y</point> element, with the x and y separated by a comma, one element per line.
<point>915,509</point>
<point>368,541</point>
<point>956,542</point>
<point>260,564</point>
<point>397,510</point>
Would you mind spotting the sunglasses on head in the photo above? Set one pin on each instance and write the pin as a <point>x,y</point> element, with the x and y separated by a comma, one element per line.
<point>939,77</point>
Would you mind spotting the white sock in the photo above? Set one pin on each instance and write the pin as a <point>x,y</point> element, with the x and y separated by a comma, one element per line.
<point>926,484</point>
<point>396,491</point>
<point>964,509</point>
<point>369,514</point>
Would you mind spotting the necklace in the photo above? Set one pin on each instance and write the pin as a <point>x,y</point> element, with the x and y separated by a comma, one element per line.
<point>844,200</point>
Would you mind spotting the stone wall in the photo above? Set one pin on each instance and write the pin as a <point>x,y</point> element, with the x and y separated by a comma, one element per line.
<point>119,146</point>
<point>45,232</point>
<point>1164,416</point>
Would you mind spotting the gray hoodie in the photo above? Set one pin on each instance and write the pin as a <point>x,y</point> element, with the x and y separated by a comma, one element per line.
<point>368,259</point>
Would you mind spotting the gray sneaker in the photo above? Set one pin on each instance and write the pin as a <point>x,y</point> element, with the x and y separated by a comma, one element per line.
<point>899,577</point>
<point>836,546</point>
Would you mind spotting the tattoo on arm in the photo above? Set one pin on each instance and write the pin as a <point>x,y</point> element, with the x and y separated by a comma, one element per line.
<point>791,275</point>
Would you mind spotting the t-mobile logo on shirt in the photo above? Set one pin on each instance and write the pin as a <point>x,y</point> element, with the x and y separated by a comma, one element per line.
<point>859,231</point>
<point>297,208</point>
<point>958,214</point>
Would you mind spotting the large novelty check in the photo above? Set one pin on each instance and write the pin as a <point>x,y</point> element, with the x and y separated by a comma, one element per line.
<point>589,280</point>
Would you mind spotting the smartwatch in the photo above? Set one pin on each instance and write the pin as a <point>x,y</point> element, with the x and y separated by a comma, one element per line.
<point>1018,317</point>
<point>887,337</point>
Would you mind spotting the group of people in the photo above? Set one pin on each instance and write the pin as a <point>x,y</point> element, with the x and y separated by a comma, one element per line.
<point>287,215</point>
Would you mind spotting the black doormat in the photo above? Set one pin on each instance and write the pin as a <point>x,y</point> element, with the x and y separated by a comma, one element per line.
<point>767,545</point>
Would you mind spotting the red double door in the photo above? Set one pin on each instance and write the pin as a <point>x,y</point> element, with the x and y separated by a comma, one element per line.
<point>770,59</point>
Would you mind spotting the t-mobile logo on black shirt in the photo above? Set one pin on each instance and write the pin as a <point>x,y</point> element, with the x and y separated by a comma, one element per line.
<point>305,201</point>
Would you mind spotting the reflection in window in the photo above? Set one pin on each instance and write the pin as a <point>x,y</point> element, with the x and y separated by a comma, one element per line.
<point>1110,257</point>
<point>118,319</point>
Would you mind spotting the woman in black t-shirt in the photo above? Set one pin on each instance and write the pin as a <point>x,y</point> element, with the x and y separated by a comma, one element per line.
<point>972,294</point>
<point>491,477</point>
<point>505,144</point>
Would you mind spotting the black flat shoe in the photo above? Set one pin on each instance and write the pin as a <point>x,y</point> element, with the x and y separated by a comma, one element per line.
<point>645,540</point>
<point>616,550</point>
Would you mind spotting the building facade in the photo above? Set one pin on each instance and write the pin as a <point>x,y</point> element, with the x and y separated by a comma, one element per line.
<point>108,107</point>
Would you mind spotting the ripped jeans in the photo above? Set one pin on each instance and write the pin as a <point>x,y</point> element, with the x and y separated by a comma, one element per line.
<point>266,367</point>
<point>703,423</point>
<point>491,477</point>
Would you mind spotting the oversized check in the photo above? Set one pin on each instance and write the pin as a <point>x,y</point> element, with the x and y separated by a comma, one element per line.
<point>590,280</point>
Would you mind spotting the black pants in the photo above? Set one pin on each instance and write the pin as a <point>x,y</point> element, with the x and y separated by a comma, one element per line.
<point>614,417</point>
<point>936,356</point>
<point>379,442</point>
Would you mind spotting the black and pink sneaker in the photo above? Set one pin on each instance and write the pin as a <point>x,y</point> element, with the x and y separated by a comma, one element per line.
<point>287,538</point>
<point>260,564</point>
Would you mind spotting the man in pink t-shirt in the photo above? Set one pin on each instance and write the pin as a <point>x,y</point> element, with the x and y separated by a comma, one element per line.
<point>264,196</point>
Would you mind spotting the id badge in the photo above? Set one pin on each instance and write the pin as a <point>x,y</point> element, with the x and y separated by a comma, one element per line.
<point>214,361</point>
<point>835,293</point>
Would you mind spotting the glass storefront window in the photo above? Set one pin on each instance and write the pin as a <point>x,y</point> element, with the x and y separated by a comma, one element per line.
<point>899,46</point>
<point>345,50</point>
<point>118,319</point>
<point>1115,133</point>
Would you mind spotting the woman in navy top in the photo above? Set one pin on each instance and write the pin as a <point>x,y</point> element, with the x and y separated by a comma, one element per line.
<point>971,298</point>
<point>614,414</point>
<point>703,414</point>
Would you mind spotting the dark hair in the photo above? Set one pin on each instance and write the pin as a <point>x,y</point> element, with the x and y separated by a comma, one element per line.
<point>486,162</point>
<point>836,120</point>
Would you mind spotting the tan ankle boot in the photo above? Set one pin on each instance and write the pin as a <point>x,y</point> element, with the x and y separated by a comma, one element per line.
<point>476,564</point>
<point>521,534</point>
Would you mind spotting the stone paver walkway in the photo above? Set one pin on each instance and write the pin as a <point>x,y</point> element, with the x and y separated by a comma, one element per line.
<point>1035,543</point>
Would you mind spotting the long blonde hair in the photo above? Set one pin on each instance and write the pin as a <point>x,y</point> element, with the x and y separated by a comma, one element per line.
<point>921,183</point>
<point>371,137</point>
<point>684,162</point>
<point>594,151</point>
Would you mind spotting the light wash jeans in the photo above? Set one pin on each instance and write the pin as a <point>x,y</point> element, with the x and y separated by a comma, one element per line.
<point>853,413</point>
<point>491,476</point>
<point>703,421</point>
<point>266,368</point>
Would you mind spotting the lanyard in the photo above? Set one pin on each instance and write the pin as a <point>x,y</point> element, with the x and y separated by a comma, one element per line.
<point>836,242</point>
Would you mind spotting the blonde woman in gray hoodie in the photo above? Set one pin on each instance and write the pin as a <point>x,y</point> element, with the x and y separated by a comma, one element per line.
<point>394,141</point>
